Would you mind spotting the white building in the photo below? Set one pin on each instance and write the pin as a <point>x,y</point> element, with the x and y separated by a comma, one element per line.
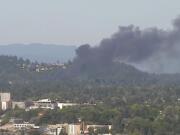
<point>5,99</point>
<point>74,129</point>
<point>44,104</point>
<point>24,125</point>
<point>62,105</point>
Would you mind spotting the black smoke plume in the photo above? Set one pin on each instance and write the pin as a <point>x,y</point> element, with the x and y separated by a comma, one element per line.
<point>151,49</point>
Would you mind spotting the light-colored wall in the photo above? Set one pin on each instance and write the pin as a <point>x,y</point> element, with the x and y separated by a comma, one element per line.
<point>5,97</point>
<point>18,104</point>
<point>5,101</point>
<point>73,129</point>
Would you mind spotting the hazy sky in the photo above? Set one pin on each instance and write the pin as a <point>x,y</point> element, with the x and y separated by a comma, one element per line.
<point>75,22</point>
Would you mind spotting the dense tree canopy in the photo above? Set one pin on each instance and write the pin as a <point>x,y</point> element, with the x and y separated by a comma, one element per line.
<point>134,102</point>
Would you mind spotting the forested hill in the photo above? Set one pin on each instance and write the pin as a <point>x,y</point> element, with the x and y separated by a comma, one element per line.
<point>11,71</point>
<point>26,79</point>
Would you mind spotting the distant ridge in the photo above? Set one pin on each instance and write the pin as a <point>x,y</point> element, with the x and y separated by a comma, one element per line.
<point>49,53</point>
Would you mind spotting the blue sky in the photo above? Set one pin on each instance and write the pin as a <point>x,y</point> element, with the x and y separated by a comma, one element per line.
<point>75,22</point>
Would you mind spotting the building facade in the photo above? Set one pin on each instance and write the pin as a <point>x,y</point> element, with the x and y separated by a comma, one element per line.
<point>44,104</point>
<point>20,105</point>
<point>5,101</point>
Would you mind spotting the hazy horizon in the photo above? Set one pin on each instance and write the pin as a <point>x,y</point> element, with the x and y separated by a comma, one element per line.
<point>78,22</point>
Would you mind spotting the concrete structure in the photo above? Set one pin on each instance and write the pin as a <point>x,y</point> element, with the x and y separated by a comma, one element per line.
<point>99,126</point>
<point>20,105</point>
<point>74,129</point>
<point>44,104</point>
<point>24,125</point>
<point>5,99</point>
<point>62,105</point>
<point>55,129</point>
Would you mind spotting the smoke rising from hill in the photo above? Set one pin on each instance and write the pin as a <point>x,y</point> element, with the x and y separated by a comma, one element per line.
<point>151,49</point>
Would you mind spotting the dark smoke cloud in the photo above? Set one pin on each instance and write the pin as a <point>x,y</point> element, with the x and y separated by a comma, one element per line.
<point>151,49</point>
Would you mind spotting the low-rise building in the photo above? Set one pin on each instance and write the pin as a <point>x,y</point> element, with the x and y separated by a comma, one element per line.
<point>70,129</point>
<point>74,129</point>
<point>44,104</point>
<point>20,105</point>
<point>62,105</point>
<point>24,125</point>
<point>56,129</point>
